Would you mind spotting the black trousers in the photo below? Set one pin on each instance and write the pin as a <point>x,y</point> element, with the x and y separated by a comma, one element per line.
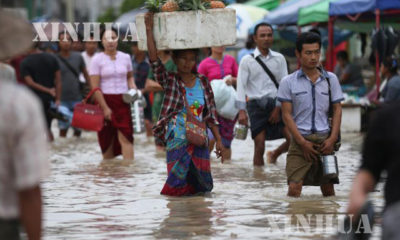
<point>46,107</point>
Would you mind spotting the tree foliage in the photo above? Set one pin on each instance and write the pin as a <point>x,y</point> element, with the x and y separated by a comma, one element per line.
<point>128,5</point>
<point>108,16</point>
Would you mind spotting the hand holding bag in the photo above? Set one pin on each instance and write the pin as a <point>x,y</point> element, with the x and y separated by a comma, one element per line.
<point>196,130</point>
<point>86,116</point>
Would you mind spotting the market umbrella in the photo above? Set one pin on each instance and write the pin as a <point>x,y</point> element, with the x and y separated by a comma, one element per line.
<point>287,13</point>
<point>246,17</point>
<point>345,7</point>
<point>266,4</point>
<point>318,12</point>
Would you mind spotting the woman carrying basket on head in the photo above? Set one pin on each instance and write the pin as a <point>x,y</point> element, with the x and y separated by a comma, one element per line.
<point>111,70</point>
<point>187,96</point>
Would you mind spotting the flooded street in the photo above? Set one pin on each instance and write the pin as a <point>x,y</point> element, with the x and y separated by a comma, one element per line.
<point>87,198</point>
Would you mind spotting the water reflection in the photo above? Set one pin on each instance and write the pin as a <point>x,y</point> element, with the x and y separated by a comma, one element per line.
<point>89,198</point>
<point>188,217</point>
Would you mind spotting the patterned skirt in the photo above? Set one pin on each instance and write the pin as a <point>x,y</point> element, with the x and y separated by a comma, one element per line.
<point>189,171</point>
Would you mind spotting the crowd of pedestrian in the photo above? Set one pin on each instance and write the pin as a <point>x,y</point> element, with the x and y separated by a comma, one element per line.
<point>273,104</point>
<point>303,108</point>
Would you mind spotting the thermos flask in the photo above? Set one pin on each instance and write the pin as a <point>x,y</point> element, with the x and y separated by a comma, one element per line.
<point>330,166</point>
<point>135,99</point>
<point>137,113</point>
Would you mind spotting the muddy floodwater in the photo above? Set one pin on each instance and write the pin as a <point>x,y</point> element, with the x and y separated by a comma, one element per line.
<point>86,197</point>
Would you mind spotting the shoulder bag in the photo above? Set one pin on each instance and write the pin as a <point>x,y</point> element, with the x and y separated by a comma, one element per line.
<point>266,69</point>
<point>196,130</point>
<point>266,102</point>
<point>330,114</point>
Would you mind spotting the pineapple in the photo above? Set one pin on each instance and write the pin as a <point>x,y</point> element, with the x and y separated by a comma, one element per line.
<point>153,5</point>
<point>217,4</point>
<point>190,5</point>
<point>170,6</point>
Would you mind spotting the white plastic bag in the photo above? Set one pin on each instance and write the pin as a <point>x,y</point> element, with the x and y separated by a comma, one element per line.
<point>221,92</point>
<point>225,97</point>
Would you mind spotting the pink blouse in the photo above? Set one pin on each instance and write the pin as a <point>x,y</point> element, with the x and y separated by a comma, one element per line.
<point>213,70</point>
<point>113,73</point>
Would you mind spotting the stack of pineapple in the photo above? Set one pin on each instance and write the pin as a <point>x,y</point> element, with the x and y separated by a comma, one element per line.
<point>182,5</point>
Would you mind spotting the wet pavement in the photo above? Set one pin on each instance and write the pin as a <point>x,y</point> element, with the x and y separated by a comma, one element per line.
<point>89,198</point>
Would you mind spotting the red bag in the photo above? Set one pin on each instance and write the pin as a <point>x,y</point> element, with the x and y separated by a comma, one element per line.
<point>89,117</point>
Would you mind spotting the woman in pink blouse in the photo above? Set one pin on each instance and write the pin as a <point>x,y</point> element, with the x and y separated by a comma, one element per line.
<point>218,66</point>
<point>111,70</point>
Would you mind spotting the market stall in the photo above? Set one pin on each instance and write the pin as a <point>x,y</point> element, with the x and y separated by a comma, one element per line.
<point>361,11</point>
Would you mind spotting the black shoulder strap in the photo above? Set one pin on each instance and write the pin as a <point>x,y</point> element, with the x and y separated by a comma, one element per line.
<point>266,69</point>
<point>330,111</point>
<point>76,74</point>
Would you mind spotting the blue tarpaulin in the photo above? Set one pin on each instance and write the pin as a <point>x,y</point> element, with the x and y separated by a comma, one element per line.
<point>288,12</point>
<point>344,7</point>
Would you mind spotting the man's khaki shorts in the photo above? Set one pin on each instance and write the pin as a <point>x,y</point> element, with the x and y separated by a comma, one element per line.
<point>298,169</point>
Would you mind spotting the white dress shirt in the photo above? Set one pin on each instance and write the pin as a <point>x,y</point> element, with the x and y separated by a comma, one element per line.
<point>87,59</point>
<point>254,82</point>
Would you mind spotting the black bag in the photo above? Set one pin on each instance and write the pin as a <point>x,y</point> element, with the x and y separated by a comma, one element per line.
<point>330,114</point>
<point>266,102</point>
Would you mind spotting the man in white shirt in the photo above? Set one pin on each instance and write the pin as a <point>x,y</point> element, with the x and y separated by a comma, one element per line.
<point>261,89</point>
<point>87,55</point>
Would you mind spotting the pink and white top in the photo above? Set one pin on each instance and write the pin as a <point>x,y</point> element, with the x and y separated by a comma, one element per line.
<point>113,73</point>
<point>213,70</point>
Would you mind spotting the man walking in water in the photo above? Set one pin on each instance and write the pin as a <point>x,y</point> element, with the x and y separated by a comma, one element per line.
<point>258,79</point>
<point>41,73</point>
<point>71,65</point>
<point>306,97</point>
